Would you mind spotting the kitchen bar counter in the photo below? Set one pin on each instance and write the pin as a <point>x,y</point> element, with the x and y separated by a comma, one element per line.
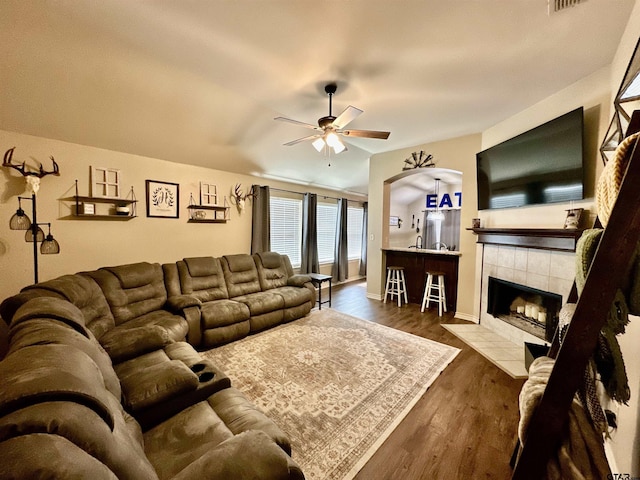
<point>423,250</point>
<point>417,262</point>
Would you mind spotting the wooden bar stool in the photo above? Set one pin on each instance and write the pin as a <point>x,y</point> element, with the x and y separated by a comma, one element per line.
<point>396,284</point>
<point>434,291</point>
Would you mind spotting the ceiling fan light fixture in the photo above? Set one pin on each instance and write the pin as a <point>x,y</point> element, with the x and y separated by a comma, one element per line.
<point>339,147</point>
<point>334,142</point>
<point>318,144</point>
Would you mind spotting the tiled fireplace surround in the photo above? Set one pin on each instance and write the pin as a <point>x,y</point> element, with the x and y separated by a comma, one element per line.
<point>548,270</point>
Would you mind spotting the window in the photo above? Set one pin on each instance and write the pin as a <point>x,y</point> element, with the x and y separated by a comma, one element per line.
<point>327,215</point>
<point>286,228</point>
<point>354,232</point>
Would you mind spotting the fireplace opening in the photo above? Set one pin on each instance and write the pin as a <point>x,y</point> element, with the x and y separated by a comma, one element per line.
<point>529,309</point>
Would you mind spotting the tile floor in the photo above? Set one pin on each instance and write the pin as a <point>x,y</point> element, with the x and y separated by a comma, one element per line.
<point>503,353</point>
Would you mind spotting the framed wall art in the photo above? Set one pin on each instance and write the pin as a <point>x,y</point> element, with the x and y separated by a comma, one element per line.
<point>163,199</point>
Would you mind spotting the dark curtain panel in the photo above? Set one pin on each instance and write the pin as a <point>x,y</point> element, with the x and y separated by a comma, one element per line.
<point>309,262</point>
<point>365,235</point>
<point>261,223</point>
<point>340,269</point>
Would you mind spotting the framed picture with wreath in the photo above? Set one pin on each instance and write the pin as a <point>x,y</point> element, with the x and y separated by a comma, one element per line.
<point>163,199</point>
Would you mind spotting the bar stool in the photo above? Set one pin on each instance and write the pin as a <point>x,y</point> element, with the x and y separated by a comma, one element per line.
<point>434,291</point>
<point>396,284</point>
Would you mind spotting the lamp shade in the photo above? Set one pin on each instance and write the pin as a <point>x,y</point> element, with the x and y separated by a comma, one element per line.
<point>334,142</point>
<point>20,221</point>
<point>50,246</point>
<point>28,236</point>
<point>318,144</point>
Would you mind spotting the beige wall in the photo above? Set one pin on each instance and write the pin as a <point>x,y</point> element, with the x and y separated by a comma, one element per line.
<point>89,244</point>
<point>456,154</point>
<point>625,441</point>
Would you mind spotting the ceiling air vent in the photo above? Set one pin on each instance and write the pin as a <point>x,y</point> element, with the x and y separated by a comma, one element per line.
<point>557,5</point>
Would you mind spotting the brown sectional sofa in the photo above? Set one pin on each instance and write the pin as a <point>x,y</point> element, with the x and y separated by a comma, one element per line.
<point>102,379</point>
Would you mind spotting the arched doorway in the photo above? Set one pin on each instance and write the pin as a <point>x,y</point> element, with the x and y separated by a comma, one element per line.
<point>423,208</point>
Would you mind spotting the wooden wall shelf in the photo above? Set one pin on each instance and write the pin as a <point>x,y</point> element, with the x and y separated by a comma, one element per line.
<point>224,209</point>
<point>78,199</point>
<point>558,239</point>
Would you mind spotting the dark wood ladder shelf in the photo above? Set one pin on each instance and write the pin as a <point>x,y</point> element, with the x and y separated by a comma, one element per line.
<point>607,273</point>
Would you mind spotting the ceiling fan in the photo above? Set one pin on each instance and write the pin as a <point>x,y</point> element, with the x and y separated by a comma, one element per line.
<point>330,128</point>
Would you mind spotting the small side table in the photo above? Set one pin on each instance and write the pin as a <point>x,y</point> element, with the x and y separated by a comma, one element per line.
<point>318,279</point>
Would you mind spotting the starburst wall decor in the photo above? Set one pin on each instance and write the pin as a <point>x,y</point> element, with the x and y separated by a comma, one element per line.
<point>419,160</point>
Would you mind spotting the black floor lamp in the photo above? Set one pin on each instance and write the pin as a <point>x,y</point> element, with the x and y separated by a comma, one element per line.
<point>20,220</point>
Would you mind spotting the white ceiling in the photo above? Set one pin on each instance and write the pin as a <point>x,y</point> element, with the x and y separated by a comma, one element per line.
<point>200,81</point>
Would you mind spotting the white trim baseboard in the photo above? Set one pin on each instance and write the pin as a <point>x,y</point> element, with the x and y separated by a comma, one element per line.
<point>466,316</point>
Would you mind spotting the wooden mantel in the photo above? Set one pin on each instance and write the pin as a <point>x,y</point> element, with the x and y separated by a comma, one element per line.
<point>558,239</point>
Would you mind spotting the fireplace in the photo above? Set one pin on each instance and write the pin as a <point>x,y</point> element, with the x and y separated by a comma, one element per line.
<point>530,309</point>
<point>537,265</point>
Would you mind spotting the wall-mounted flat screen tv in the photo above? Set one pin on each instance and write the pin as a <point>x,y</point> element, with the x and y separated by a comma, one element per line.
<point>540,166</point>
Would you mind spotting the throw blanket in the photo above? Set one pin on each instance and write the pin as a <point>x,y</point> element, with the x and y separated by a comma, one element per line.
<point>581,454</point>
<point>608,357</point>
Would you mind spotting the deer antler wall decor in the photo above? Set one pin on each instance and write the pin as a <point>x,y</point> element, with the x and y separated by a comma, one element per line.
<point>20,221</point>
<point>32,178</point>
<point>238,198</point>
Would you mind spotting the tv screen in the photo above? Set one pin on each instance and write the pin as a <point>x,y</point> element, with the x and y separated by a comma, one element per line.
<point>543,165</point>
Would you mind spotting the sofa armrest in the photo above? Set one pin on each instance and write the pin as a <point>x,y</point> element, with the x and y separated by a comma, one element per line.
<point>247,455</point>
<point>193,317</point>
<point>177,303</point>
<point>298,280</point>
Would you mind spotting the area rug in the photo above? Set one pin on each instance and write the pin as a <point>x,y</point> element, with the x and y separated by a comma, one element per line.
<point>336,384</point>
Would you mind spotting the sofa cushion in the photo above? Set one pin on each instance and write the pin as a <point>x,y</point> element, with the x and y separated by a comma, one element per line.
<point>119,447</point>
<point>240,274</point>
<point>132,290</point>
<point>156,384</point>
<point>293,296</point>
<point>45,331</point>
<point>48,372</point>
<point>250,454</point>
<point>183,438</point>
<point>203,278</point>
<point>272,271</point>
<point>131,341</point>
<point>44,456</point>
<point>222,313</point>
<point>298,280</point>
<point>261,302</point>
<point>240,415</point>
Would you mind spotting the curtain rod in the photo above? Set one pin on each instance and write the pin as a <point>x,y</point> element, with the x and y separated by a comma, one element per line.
<point>299,193</point>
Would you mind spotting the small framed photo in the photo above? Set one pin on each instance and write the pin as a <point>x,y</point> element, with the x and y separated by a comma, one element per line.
<point>87,209</point>
<point>573,218</point>
<point>163,199</point>
<point>393,221</point>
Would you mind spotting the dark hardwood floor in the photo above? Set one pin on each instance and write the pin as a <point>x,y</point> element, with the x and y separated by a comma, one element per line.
<point>464,426</point>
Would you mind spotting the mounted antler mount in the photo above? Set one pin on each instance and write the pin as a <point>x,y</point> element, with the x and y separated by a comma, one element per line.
<point>238,198</point>
<point>23,169</point>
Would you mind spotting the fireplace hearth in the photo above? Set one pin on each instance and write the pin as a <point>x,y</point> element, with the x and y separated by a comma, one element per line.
<point>529,309</point>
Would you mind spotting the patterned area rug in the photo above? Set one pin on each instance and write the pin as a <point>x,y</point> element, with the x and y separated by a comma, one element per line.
<point>338,385</point>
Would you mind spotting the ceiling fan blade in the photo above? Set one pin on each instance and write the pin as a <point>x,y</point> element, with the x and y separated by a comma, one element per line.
<point>365,134</point>
<point>303,139</point>
<point>296,122</point>
<point>349,114</point>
